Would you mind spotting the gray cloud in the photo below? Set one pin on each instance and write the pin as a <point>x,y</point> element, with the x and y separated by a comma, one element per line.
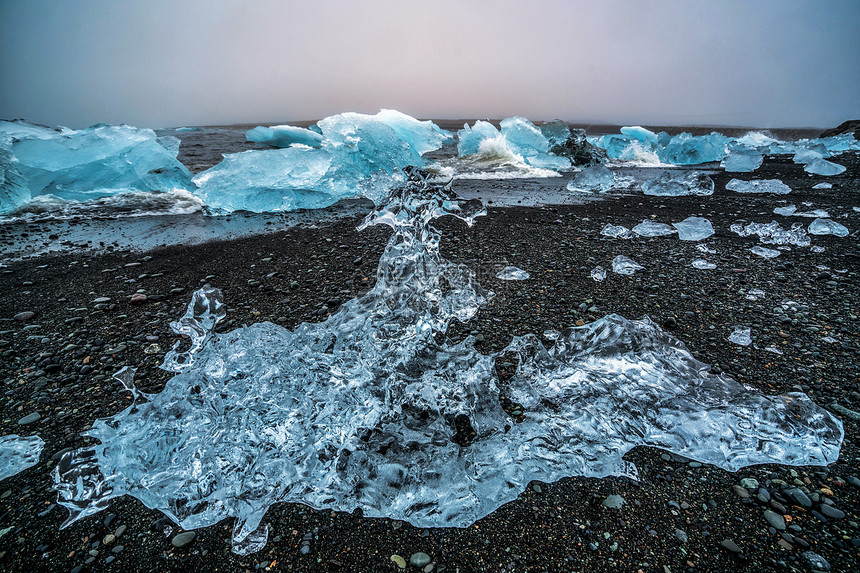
<point>766,63</point>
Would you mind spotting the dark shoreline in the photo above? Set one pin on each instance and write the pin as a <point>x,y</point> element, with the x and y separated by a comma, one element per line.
<point>551,527</point>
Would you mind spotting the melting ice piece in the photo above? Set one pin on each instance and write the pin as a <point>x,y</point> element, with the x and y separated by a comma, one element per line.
<point>685,149</point>
<point>702,264</point>
<point>773,233</point>
<point>706,249</point>
<point>759,186</point>
<point>679,183</point>
<point>764,252</point>
<point>824,167</point>
<point>14,192</point>
<point>742,159</point>
<point>98,161</point>
<point>640,133</point>
<point>755,294</point>
<point>519,140</point>
<point>598,273</point>
<point>741,336</point>
<point>512,274</point>
<point>806,156</point>
<point>617,231</point>
<point>648,228</point>
<point>827,227</point>
<point>624,265</point>
<point>18,453</point>
<point>694,229</point>
<point>556,132</point>
<point>785,211</point>
<point>366,409</point>
<point>816,249</point>
<point>773,349</point>
<point>284,136</point>
<point>597,178</point>
<point>469,138</point>
<point>823,186</point>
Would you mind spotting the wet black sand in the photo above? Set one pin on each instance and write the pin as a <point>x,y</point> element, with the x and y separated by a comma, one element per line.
<point>62,368</point>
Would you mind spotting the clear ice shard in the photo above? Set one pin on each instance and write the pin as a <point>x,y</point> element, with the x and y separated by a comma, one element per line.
<point>361,156</point>
<point>786,211</point>
<point>284,136</point>
<point>17,453</point>
<point>512,274</point>
<point>648,228</point>
<point>96,162</point>
<point>741,336</point>
<point>625,265</point>
<point>374,408</point>
<point>772,233</point>
<point>823,186</point>
<point>694,229</point>
<point>764,252</point>
<point>13,186</point>
<point>703,264</point>
<point>827,227</point>
<point>616,231</point>
<point>686,149</point>
<point>595,179</point>
<point>791,210</point>
<point>598,273</point>
<point>806,156</point>
<point>824,167</point>
<point>759,186</point>
<point>678,184</point>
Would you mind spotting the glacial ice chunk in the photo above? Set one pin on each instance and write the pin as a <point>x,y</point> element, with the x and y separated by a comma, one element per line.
<point>648,228</point>
<point>596,178</point>
<point>694,229</point>
<point>512,274</point>
<point>518,138</point>
<point>14,192</point>
<point>598,273</point>
<point>367,408</point>
<point>823,186</point>
<point>17,453</point>
<point>759,186</point>
<point>741,336</point>
<point>98,161</point>
<point>624,265</point>
<point>469,138</point>
<point>764,252</point>
<point>824,167</point>
<point>703,264</point>
<point>791,210</point>
<point>786,211</point>
<point>616,231</point>
<point>422,136</point>
<point>805,156</point>
<point>284,136</point>
<point>827,227</point>
<point>640,133</point>
<point>742,159</point>
<point>678,184</point>
<point>685,149</point>
<point>773,233</point>
<point>556,132</point>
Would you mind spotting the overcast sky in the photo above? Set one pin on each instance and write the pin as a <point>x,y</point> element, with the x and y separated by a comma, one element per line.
<point>763,63</point>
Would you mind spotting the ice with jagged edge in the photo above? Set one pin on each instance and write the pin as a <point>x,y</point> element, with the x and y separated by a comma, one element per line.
<point>616,231</point>
<point>623,265</point>
<point>759,186</point>
<point>374,409</point>
<point>519,141</point>
<point>359,156</point>
<point>772,233</point>
<point>694,229</point>
<point>791,211</point>
<point>511,273</point>
<point>99,161</point>
<point>741,159</point>
<point>679,184</point>
<point>823,226</point>
<point>284,136</point>
<point>14,192</point>
<point>703,264</point>
<point>593,179</point>
<point>17,453</point>
<point>824,167</point>
<point>741,335</point>
<point>648,228</point>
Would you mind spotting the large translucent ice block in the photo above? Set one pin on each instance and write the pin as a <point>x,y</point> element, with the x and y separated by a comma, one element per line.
<point>18,453</point>
<point>374,409</point>
<point>686,149</point>
<point>284,136</point>
<point>759,186</point>
<point>694,229</point>
<point>678,184</point>
<point>596,179</point>
<point>13,186</point>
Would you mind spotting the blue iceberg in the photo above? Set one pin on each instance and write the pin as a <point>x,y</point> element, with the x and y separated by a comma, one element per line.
<point>823,167</point>
<point>359,156</point>
<point>742,159</point>
<point>686,149</point>
<point>95,162</point>
<point>284,136</point>
<point>13,186</point>
<point>518,140</point>
<point>596,178</point>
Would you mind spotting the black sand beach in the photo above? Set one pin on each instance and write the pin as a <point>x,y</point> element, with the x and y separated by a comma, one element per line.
<point>681,516</point>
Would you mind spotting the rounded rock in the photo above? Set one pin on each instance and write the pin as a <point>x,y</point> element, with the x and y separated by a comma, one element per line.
<point>419,560</point>
<point>183,539</point>
<point>399,561</point>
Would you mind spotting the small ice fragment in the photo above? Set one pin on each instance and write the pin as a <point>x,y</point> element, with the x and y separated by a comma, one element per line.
<point>755,294</point>
<point>551,334</point>
<point>830,340</point>
<point>856,209</point>
<point>703,264</point>
<point>773,349</point>
<point>678,184</point>
<point>598,273</point>
<point>741,336</point>
<point>18,453</point>
<point>817,249</point>
<point>706,249</point>
<point>759,186</point>
<point>773,233</point>
<point>824,167</point>
<point>785,211</point>
<point>512,274</point>
<point>823,186</point>
<point>625,266</point>
<point>651,229</point>
<point>617,231</point>
<point>764,252</point>
<point>597,178</point>
<point>827,227</point>
<point>694,229</point>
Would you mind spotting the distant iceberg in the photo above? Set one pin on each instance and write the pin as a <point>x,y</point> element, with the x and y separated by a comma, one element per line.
<point>518,139</point>
<point>284,136</point>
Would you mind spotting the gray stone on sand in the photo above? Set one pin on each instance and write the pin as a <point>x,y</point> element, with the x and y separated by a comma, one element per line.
<point>613,501</point>
<point>419,560</point>
<point>775,520</point>
<point>29,419</point>
<point>183,539</point>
